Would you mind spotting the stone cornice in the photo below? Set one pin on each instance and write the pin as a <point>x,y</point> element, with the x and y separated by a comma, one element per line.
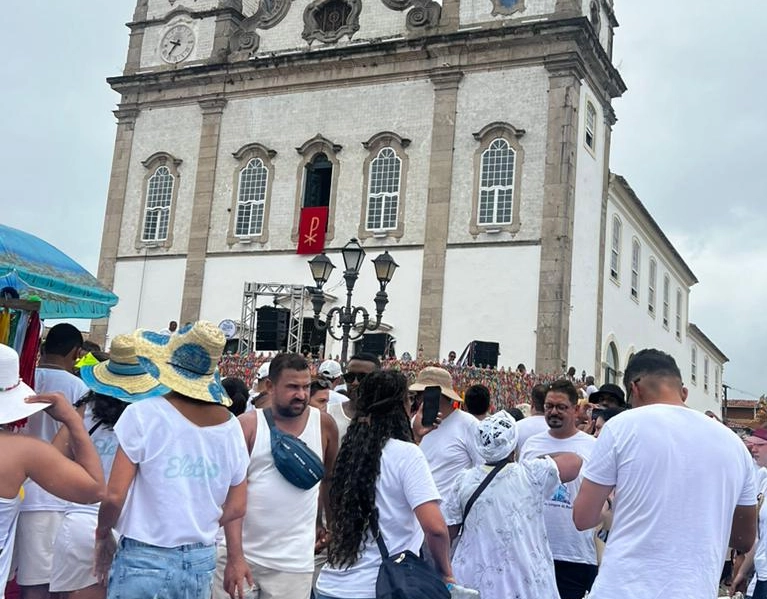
<point>553,42</point>
<point>212,105</point>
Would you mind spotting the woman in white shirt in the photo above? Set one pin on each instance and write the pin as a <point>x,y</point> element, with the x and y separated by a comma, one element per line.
<point>183,459</point>
<point>380,472</point>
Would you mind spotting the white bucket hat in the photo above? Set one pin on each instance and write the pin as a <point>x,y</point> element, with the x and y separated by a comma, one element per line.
<point>13,391</point>
<point>496,437</point>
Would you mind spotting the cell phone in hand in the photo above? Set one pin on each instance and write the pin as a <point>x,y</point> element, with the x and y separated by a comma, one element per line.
<point>431,397</point>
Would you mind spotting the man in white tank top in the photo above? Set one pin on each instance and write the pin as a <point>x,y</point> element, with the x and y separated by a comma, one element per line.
<point>272,548</point>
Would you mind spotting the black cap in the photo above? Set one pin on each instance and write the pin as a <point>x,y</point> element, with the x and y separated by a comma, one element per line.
<point>608,391</point>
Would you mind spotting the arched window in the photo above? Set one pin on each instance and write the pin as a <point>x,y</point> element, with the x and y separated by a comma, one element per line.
<point>497,180</point>
<point>160,197</point>
<point>318,173</point>
<point>666,299</point>
<point>251,199</point>
<point>611,364</point>
<point>615,252</point>
<point>651,286</point>
<point>383,191</point>
<point>252,185</point>
<point>496,188</point>
<point>678,319</point>
<point>716,383</point>
<point>591,126</point>
<point>636,256</point>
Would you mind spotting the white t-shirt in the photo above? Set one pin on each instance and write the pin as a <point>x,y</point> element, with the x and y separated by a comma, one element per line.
<point>105,441</point>
<point>404,483</point>
<point>504,550</point>
<point>42,426</point>
<point>527,427</point>
<point>450,449</point>
<point>334,397</point>
<point>336,410</point>
<point>567,543</point>
<point>678,476</point>
<point>184,473</point>
<point>760,555</point>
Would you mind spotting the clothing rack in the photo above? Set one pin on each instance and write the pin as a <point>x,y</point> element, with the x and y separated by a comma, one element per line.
<point>19,304</point>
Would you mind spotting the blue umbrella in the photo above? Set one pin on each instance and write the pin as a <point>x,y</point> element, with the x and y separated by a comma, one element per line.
<point>34,267</point>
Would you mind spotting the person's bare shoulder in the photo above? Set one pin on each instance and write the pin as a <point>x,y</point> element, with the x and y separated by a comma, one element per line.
<point>249,424</point>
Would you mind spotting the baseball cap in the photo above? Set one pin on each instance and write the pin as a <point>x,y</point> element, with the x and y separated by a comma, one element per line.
<point>263,371</point>
<point>330,369</point>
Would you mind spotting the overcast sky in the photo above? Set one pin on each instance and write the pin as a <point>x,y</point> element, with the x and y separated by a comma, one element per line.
<point>689,140</point>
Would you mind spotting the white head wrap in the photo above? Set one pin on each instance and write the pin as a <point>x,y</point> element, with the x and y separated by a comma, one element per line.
<point>496,437</point>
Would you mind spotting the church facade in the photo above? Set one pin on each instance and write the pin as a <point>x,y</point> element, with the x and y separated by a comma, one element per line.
<point>469,138</point>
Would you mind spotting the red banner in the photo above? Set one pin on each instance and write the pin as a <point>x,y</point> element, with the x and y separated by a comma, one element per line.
<point>311,230</point>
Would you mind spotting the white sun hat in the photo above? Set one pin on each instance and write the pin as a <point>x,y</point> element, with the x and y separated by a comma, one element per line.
<point>13,391</point>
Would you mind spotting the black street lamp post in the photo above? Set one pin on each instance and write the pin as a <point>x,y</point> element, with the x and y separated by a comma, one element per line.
<point>348,316</point>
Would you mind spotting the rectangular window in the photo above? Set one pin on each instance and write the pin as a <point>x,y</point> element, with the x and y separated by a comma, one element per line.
<point>636,252</point>
<point>158,201</point>
<point>666,300</point>
<point>705,374</point>
<point>591,125</point>
<point>694,365</point>
<point>651,287</point>
<point>383,191</point>
<point>678,314</point>
<point>716,383</point>
<point>496,189</point>
<point>251,199</point>
<point>615,255</point>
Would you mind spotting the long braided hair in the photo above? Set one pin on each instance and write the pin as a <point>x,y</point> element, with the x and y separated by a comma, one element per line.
<point>380,416</point>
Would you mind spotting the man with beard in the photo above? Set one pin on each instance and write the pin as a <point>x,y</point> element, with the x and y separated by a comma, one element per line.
<point>273,546</point>
<point>574,552</point>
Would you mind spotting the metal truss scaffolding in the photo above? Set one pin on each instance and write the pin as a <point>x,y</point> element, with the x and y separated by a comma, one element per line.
<point>295,294</point>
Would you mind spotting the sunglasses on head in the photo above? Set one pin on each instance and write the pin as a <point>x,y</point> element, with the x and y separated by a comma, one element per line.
<point>350,377</point>
<point>321,383</point>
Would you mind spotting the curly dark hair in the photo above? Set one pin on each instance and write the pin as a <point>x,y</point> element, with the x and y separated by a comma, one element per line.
<point>380,416</point>
<point>106,409</point>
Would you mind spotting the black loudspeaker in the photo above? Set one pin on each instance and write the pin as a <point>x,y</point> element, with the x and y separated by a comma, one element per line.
<point>378,344</point>
<point>272,328</point>
<point>312,338</point>
<point>484,353</point>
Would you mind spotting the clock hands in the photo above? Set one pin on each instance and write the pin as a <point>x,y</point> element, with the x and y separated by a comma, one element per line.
<point>175,44</point>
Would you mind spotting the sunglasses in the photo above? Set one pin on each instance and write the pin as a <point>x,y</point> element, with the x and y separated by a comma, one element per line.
<point>350,377</point>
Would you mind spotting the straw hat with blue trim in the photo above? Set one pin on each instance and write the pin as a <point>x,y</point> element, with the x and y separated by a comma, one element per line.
<point>187,361</point>
<point>122,376</point>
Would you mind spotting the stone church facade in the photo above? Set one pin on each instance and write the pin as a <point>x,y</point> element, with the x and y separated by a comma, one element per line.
<point>469,138</point>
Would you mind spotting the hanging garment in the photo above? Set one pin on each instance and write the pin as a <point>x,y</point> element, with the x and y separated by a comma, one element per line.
<point>5,326</point>
<point>28,356</point>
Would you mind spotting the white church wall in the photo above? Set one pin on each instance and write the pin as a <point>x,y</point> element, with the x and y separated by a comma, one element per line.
<point>512,96</point>
<point>479,11</point>
<point>175,131</point>
<point>584,283</point>
<point>150,294</point>
<point>704,389</point>
<point>346,116</point>
<point>491,294</point>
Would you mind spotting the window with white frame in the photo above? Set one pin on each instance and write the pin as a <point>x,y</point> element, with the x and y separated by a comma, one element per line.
<point>666,299</point>
<point>591,126</point>
<point>611,364</point>
<point>651,286</point>
<point>251,199</point>
<point>615,253</point>
<point>496,188</point>
<point>678,314</point>
<point>694,365</point>
<point>705,374</point>
<point>636,255</point>
<point>383,191</point>
<point>159,197</point>
<point>716,383</point>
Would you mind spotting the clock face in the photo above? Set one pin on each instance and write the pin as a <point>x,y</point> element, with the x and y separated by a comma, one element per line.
<point>177,44</point>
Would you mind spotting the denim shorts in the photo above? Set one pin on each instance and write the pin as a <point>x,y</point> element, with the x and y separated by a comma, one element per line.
<point>145,571</point>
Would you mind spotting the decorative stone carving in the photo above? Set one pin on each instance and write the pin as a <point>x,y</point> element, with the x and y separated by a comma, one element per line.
<point>328,21</point>
<point>424,14</point>
<point>269,13</point>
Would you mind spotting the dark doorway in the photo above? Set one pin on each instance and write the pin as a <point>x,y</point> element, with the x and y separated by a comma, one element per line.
<point>317,181</point>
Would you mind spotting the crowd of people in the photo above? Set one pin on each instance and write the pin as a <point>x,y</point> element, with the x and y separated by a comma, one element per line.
<point>146,475</point>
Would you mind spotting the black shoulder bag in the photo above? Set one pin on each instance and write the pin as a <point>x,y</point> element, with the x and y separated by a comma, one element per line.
<point>405,575</point>
<point>474,496</point>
